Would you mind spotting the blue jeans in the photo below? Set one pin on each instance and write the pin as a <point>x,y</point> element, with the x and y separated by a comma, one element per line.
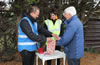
<point>73,61</point>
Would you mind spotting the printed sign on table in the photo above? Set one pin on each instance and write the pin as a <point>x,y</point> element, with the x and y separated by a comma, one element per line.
<point>51,47</point>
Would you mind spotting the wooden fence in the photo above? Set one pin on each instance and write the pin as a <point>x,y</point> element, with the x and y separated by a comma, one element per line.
<point>92,34</point>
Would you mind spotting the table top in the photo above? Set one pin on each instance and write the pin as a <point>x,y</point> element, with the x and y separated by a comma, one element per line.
<point>57,54</point>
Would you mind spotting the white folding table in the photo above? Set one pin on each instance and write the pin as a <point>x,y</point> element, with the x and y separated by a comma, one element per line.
<point>56,55</point>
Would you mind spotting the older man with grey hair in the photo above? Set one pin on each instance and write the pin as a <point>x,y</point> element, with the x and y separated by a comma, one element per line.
<point>73,37</point>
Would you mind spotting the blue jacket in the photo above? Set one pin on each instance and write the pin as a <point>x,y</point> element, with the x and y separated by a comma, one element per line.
<point>73,38</point>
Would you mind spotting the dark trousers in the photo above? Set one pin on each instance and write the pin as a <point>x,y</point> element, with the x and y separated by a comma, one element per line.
<point>73,61</point>
<point>27,57</point>
<point>58,60</point>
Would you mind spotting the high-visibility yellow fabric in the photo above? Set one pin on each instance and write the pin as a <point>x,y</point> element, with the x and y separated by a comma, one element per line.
<point>54,28</point>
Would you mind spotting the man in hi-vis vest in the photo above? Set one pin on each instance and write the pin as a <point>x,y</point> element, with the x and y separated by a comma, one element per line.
<point>29,34</point>
<point>54,25</point>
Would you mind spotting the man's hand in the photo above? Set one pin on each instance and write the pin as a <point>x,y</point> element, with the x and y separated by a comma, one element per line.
<point>56,37</point>
<point>49,40</point>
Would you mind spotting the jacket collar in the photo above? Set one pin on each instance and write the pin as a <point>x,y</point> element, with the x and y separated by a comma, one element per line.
<point>68,21</point>
<point>30,17</point>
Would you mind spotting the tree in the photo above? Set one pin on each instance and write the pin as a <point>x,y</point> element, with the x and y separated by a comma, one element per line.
<point>85,8</point>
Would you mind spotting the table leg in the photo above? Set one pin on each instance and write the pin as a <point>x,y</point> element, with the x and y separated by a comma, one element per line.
<point>56,62</point>
<point>36,60</point>
<point>43,61</point>
<point>64,60</point>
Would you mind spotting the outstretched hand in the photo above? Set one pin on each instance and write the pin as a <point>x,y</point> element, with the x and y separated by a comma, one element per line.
<point>56,37</point>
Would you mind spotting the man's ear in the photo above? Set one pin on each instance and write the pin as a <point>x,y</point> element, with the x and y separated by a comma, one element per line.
<point>70,15</point>
<point>31,13</point>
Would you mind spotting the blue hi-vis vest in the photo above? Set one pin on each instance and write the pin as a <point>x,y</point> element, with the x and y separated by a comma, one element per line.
<point>24,43</point>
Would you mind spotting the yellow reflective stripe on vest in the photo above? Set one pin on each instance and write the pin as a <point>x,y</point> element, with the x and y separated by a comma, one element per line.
<point>27,43</point>
<point>55,30</point>
<point>22,36</point>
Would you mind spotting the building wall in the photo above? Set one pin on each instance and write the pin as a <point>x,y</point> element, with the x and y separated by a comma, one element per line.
<point>92,34</point>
